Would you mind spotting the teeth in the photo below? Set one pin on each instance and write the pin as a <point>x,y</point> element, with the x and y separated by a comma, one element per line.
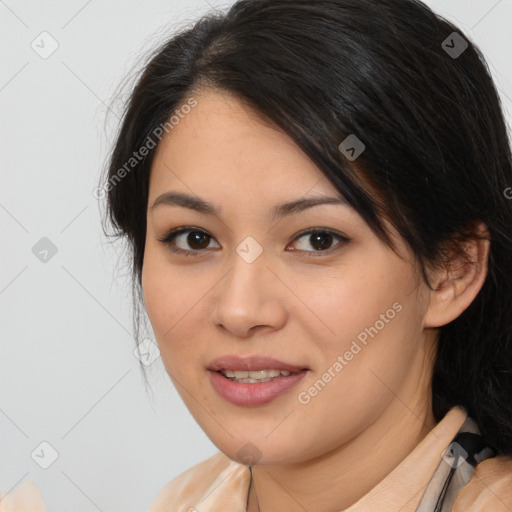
<point>258,374</point>
<point>254,376</point>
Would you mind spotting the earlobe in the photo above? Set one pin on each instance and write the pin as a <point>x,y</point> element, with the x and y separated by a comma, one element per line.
<point>456,286</point>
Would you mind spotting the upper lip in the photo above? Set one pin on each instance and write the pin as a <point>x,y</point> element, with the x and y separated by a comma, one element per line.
<point>251,363</point>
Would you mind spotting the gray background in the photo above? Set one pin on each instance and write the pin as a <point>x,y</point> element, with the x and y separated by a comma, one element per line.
<point>68,375</point>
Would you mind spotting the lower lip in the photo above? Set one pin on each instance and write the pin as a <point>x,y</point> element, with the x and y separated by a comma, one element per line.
<point>252,394</point>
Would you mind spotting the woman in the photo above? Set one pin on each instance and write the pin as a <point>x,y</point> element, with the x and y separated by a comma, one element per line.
<point>315,197</point>
<point>321,239</point>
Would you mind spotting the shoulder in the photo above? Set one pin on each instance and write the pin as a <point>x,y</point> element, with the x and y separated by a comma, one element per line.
<point>26,498</point>
<point>195,484</point>
<point>490,487</point>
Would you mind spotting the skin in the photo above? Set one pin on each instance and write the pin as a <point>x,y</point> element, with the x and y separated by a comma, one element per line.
<point>293,303</point>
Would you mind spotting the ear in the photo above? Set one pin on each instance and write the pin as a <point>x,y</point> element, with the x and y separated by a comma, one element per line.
<point>456,286</point>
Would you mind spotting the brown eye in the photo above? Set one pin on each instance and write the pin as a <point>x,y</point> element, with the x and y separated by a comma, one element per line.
<point>192,240</point>
<point>197,239</point>
<point>321,241</point>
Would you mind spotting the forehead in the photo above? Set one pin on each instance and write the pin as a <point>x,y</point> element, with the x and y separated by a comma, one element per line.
<point>224,143</point>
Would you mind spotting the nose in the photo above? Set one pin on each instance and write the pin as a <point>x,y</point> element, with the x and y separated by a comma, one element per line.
<point>250,298</point>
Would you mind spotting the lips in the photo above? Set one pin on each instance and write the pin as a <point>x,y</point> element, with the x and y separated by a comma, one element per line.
<point>254,394</point>
<point>252,363</point>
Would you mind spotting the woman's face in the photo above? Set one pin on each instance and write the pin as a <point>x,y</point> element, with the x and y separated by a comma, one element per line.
<point>339,302</point>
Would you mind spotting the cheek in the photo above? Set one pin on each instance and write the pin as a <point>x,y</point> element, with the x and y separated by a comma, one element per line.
<point>366,325</point>
<point>340,305</point>
<point>356,381</point>
<point>164,294</point>
<point>175,302</point>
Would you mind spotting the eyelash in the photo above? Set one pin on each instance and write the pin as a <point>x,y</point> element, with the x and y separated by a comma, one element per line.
<point>171,235</point>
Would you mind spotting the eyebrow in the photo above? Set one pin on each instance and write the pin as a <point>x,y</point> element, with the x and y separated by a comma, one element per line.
<point>280,210</point>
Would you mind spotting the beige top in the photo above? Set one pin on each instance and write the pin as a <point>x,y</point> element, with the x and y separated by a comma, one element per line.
<point>25,498</point>
<point>219,484</point>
